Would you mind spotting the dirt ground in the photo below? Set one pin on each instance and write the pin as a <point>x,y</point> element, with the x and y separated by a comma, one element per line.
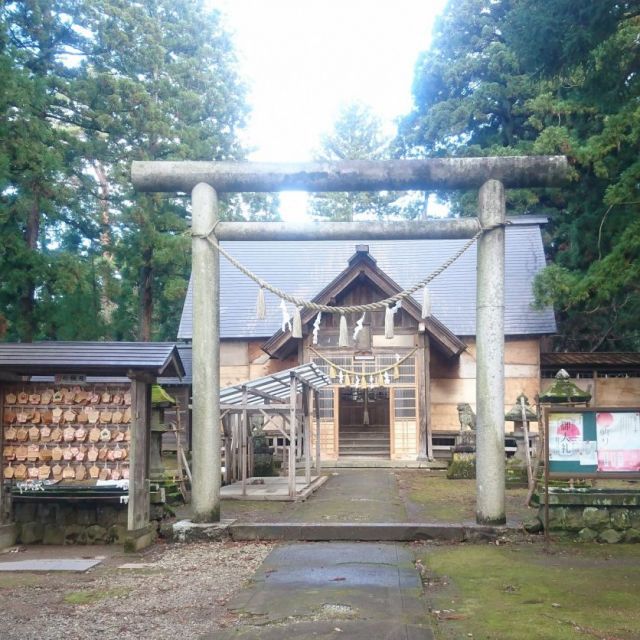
<point>499,592</point>
<point>178,591</point>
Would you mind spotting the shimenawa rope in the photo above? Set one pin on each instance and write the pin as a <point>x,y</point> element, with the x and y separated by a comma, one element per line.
<point>360,308</point>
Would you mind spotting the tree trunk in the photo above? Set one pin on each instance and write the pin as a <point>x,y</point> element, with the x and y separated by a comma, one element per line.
<point>146,295</point>
<point>27,328</point>
<point>105,269</point>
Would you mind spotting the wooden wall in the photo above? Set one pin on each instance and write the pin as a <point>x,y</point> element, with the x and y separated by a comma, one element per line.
<point>242,360</point>
<point>328,440</point>
<point>608,392</point>
<point>404,439</point>
<point>454,380</point>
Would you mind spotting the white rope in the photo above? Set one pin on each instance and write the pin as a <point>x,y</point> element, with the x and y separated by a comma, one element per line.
<point>360,308</point>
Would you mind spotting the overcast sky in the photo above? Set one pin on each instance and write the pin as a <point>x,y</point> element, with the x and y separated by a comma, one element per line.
<point>303,59</point>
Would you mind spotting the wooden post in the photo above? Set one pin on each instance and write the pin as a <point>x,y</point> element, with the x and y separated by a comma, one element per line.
<point>4,515</point>
<point>292,435</point>
<point>427,390</point>
<point>237,447</point>
<point>306,405</point>
<point>527,452</point>
<point>139,498</point>
<point>316,410</point>
<point>205,270</point>
<point>244,437</point>
<point>228,456</point>
<point>490,455</point>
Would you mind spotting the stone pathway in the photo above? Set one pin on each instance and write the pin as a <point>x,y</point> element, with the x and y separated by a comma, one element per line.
<point>354,495</point>
<point>333,590</point>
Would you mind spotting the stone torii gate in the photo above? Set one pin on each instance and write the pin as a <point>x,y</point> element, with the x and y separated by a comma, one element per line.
<point>490,175</point>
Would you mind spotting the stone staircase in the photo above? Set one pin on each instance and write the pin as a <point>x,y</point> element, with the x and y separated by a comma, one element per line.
<point>364,441</point>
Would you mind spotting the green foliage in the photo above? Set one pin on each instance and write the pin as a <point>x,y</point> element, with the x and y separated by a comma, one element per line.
<point>358,135</point>
<point>514,77</point>
<point>88,87</point>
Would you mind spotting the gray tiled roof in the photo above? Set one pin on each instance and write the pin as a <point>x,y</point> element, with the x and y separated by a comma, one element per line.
<point>102,358</point>
<point>304,268</point>
<point>187,362</point>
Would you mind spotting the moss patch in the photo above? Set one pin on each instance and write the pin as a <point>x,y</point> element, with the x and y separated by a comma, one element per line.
<point>15,580</point>
<point>521,592</point>
<point>431,497</point>
<point>255,511</point>
<point>91,597</point>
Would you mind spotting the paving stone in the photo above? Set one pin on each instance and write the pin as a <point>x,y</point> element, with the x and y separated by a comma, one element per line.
<point>333,590</point>
<point>51,564</point>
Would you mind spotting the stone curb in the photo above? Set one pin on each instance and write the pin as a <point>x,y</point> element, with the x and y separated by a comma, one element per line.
<point>369,532</point>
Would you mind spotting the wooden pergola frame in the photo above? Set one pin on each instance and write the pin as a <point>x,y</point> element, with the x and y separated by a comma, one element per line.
<point>292,402</point>
<point>490,175</point>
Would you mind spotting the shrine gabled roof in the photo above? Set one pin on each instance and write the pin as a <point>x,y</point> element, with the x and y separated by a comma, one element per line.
<point>363,266</point>
<point>304,268</point>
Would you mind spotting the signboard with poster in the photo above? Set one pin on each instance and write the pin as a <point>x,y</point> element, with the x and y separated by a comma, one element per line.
<point>593,442</point>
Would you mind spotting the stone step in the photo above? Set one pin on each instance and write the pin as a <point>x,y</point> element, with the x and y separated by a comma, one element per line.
<point>354,531</point>
<point>364,435</point>
<point>363,451</point>
<point>383,440</point>
<point>364,454</point>
<point>365,444</point>
<point>363,428</point>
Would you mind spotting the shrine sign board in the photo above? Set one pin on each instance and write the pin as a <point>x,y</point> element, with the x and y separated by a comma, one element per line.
<point>592,442</point>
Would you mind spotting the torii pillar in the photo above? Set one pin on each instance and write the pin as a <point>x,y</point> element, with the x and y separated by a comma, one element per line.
<point>490,175</point>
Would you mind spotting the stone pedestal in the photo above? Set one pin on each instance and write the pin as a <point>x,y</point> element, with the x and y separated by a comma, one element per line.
<point>463,463</point>
<point>465,441</point>
<point>520,453</point>
<point>156,468</point>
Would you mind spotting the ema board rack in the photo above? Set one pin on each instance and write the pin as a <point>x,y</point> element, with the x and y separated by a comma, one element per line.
<point>65,434</point>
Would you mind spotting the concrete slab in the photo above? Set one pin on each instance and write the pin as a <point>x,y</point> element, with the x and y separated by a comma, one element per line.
<point>275,488</point>
<point>331,590</point>
<point>51,564</point>
<point>188,531</point>
<point>361,495</point>
<point>378,463</point>
<point>370,531</point>
<point>332,630</point>
<point>360,531</point>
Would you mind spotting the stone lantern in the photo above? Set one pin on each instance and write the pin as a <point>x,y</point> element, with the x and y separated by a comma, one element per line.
<point>160,400</point>
<point>515,416</point>
<point>563,391</point>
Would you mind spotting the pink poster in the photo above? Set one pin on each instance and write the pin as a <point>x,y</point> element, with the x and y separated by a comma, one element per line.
<point>618,437</point>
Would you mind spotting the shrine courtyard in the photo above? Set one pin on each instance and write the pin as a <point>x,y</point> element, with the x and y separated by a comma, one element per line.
<point>227,590</point>
<point>512,586</point>
<point>381,495</point>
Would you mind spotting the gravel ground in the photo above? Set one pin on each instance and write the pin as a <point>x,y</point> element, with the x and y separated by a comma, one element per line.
<point>181,592</point>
